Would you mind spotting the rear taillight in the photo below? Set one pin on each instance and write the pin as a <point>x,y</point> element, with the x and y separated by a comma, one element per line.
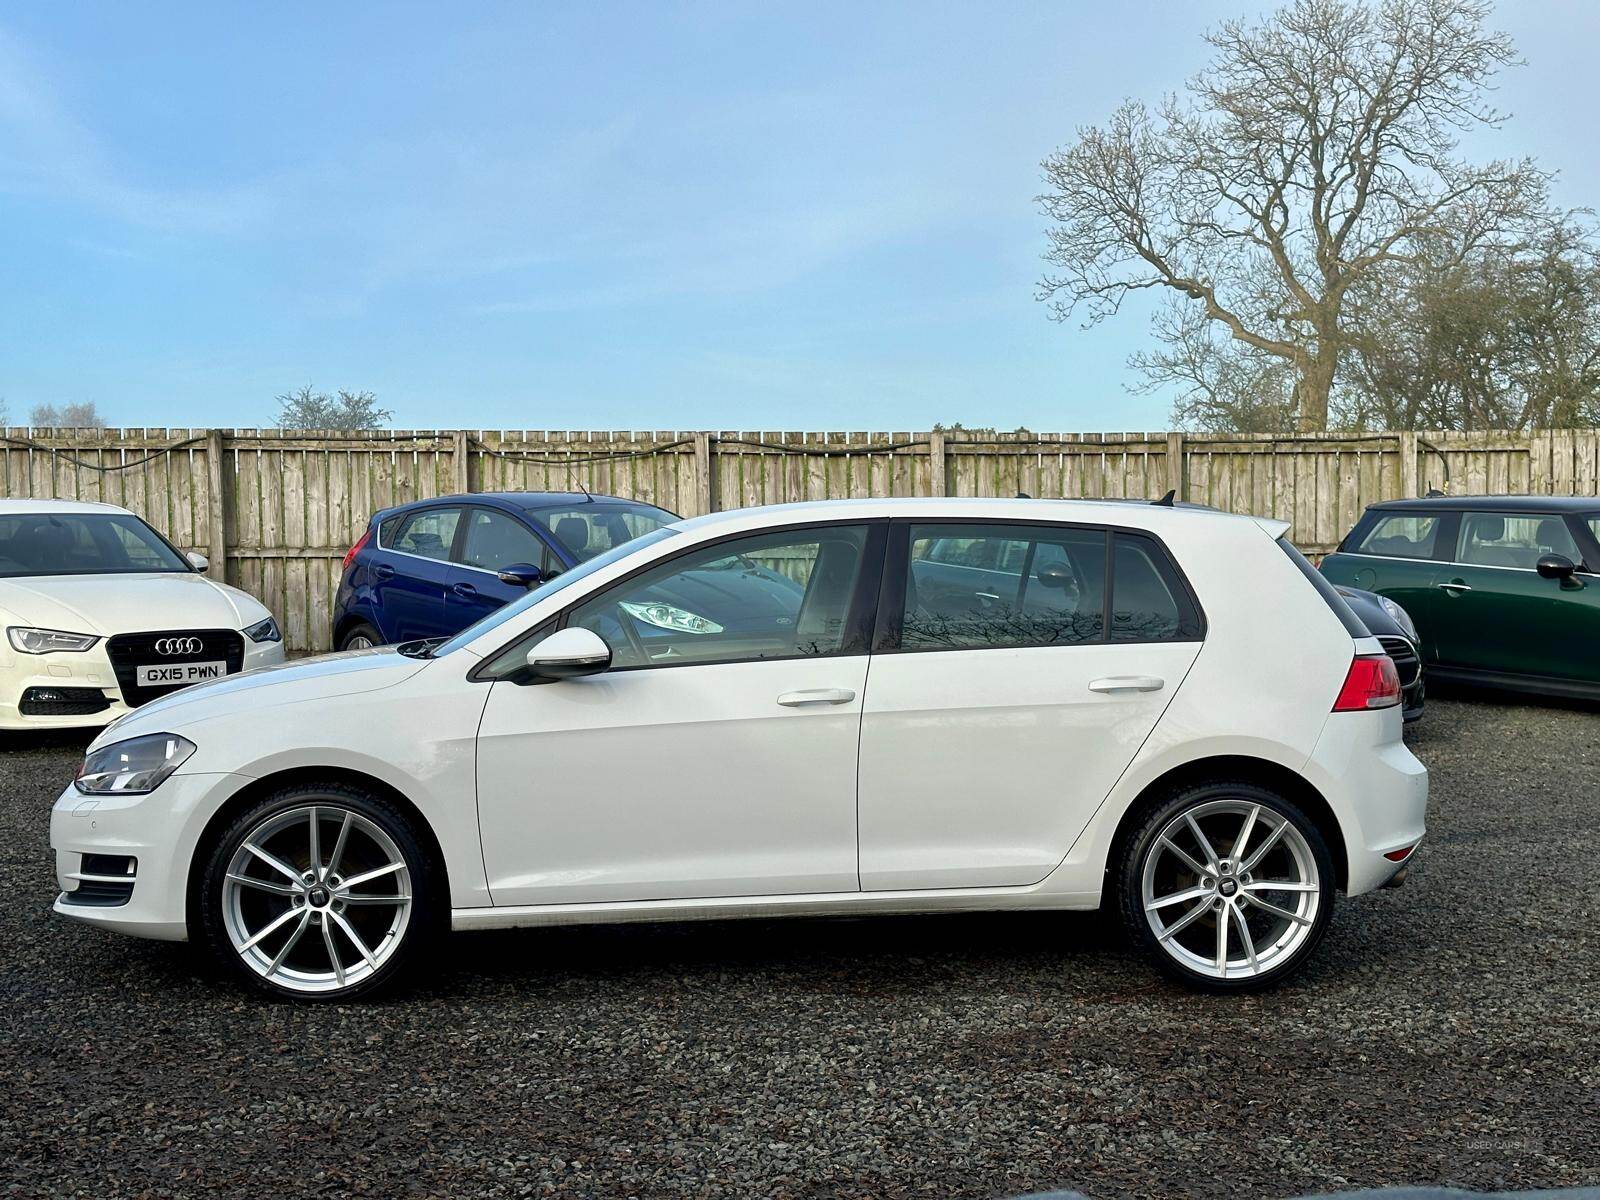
<point>356,549</point>
<point>1371,682</point>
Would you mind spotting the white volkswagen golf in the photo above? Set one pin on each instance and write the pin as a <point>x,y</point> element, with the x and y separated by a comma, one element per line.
<point>851,707</point>
<point>100,613</point>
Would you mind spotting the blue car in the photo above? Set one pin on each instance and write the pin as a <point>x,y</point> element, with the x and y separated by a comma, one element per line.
<point>430,568</point>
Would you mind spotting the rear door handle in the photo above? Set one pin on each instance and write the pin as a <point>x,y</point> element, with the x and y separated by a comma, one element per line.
<point>815,697</point>
<point>1113,684</point>
<point>1454,587</point>
<point>465,590</point>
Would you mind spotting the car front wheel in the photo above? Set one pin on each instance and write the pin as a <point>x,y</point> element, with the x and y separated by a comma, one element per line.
<point>1227,886</point>
<point>319,892</point>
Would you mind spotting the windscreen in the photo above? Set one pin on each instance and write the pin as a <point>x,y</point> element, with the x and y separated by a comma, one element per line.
<point>550,587</point>
<point>591,529</point>
<point>82,544</point>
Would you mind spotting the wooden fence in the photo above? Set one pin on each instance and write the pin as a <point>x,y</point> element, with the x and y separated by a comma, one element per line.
<point>275,510</point>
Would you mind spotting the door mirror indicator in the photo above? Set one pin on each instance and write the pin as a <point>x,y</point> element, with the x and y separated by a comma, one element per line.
<point>1555,566</point>
<point>521,575</point>
<point>568,654</point>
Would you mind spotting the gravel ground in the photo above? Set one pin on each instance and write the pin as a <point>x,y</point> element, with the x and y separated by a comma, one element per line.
<point>1444,1033</point>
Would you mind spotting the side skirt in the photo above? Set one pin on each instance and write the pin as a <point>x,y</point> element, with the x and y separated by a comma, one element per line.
<point>728,908</point>
<point>1541,685</point>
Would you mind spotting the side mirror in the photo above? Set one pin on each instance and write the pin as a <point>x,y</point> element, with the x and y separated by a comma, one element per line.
<point>1056,575</point>
<point>1555,566</point>
<point>521,575</point>
<point>569,653</point>
<point>197,560</point>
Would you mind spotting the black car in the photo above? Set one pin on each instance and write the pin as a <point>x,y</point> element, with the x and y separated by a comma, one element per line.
<point>1392,626</point>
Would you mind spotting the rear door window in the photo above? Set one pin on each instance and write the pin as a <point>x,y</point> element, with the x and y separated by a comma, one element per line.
<point>429,533</point>
<point>1513,539</point>
<point>1402,535</point>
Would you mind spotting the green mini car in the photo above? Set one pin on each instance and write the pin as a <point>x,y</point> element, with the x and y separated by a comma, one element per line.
<point>1504,590</point>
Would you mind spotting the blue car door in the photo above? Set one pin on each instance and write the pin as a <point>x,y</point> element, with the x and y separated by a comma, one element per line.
<point>412,573</point>
<point>491,539</point>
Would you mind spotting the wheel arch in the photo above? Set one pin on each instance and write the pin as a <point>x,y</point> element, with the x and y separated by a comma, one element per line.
<point>1244,768</point>
<point>353,617</point>
<point>265,785</point>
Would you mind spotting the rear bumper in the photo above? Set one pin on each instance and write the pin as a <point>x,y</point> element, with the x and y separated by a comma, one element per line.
<point>1377,789</point>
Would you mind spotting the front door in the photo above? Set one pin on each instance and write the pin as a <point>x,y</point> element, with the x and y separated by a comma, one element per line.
<point>491,541</point>
<point>1496,612</point>
<point>1011,689</point>
<point>717,757</point>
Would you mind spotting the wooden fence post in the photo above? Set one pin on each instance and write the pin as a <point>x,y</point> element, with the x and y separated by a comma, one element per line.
<point>461,461</point>
<point>1409,488</point>
<point>938,481</point>
<point>1177,477</point>
<point>219,478</point>
<point>705,484</point>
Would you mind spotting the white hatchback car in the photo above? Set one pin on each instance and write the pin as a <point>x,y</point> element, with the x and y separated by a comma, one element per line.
<point>100,613</point>
<point>851,707</point>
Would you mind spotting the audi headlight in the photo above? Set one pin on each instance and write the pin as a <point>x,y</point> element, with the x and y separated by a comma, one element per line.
<point>264,631</point>
<point>49,641</point>
<point>1399,616</point>
<point>133,767</point>
<point>670,616</point>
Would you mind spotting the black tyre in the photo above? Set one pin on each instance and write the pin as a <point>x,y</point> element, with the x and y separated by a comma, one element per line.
<point>360,636</point>
<point>320,892</point>
<point>1226,886</point>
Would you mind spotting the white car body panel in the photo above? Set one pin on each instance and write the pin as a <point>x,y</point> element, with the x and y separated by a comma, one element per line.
<point>592,799</point>
<point>106,605</point>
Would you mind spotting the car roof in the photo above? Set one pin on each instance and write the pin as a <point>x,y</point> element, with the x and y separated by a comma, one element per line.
<point>528,501</point>
<point>1530,504</point>
<point>1107,511</point>
<point>13,507</point>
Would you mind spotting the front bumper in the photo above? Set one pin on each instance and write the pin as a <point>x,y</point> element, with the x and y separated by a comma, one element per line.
<point>89,671</point>
<point>1378,792</point>
<point>158,831</point>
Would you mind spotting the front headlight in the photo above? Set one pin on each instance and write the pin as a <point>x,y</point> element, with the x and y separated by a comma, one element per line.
<point>264,631</point>
<point>1399,616</point>
<point>133,767</point>
<point>670,616</point>
<point>49,641</point>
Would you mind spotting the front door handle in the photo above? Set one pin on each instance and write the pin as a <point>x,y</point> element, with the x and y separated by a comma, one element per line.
<point>1113,684</point>
<point>465,590</point>
<point>816,696</point>
<point>1454,587</point>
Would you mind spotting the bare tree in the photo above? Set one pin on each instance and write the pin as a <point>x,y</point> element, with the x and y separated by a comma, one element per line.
<point>309,409</point>
<point>84,415</point>
<point>1317,148</point>
<point>1218,383</point>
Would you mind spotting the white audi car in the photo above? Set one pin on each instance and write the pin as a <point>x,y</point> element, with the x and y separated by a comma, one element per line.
<point>852,707</point>
<point>100,614</point>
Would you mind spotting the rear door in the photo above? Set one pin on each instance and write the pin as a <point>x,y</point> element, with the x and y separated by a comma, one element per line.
<point>1496,613</point>
<point>999,712</point>
<point>491,539</point>
<point>411,572</point>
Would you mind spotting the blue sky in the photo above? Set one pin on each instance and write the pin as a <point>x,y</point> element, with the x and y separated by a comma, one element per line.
<point>563,215</point>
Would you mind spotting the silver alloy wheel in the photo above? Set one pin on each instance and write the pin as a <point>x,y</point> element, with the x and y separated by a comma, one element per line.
<point>360,642</point>
<point>316,898</point>
<point>1231,888</point>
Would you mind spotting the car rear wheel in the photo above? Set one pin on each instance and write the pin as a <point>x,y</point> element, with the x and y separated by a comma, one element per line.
<point>360,636</point>
<point>319,892</point>
<point>1227,887</point>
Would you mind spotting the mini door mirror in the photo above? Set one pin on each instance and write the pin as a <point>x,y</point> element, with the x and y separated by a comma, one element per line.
<point>521,575</point>
<point>569,653</point>
<point>1555,566</point>
<point>1056,575</point>
<point>197,560</point>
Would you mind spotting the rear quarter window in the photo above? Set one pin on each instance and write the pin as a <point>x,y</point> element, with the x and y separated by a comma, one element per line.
<point>1401,535</point>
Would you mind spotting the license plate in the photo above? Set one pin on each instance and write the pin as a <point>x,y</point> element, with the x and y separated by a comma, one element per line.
<point>178,674</point>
